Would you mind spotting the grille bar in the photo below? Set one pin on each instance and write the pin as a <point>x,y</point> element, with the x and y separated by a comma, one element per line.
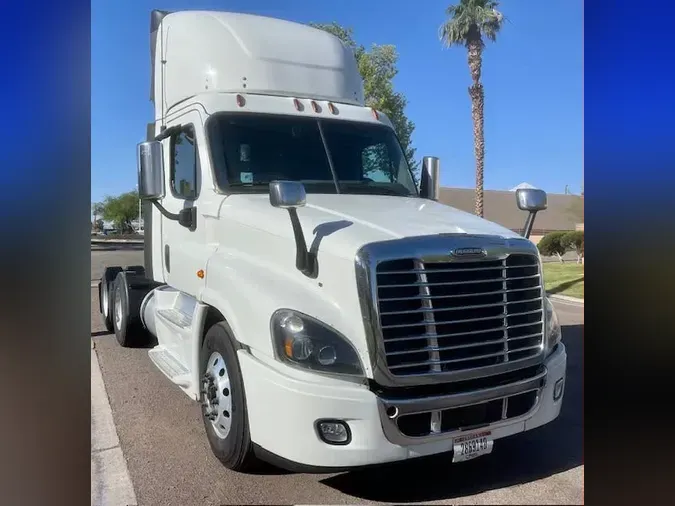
<point>458,308</point>
<point>461,308</point>
<point>409,338</point>
<point>440,317</point>
<point>449,361</point>
<point>496,292</point>
<point>450,283</point>
<point>467,320</point>
<point>459,346</point>
<point>468,269</point>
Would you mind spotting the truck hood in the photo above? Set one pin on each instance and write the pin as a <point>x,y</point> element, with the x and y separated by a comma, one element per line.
<point>344,223</point>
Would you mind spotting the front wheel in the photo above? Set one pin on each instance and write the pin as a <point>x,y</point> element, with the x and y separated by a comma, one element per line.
<point>223,400</point>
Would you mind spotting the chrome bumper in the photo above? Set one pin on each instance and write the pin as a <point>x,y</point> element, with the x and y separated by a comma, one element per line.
<point>391,410</point>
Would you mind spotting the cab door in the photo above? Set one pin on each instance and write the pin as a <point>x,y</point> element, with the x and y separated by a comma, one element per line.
<point>184,250</point>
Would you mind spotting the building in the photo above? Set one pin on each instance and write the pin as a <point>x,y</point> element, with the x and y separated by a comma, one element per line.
<point>564,212</point>
<point>523,186</point>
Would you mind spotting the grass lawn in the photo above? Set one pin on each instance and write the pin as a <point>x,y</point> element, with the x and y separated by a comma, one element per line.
<point>564,279</point>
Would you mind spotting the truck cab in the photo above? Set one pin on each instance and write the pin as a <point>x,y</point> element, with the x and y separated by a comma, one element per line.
<point>324,312</point>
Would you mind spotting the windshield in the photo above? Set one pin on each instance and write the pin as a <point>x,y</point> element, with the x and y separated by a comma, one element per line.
<point>328,156</point>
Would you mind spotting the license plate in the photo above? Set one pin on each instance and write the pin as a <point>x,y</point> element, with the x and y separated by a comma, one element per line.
<point>471,446</point>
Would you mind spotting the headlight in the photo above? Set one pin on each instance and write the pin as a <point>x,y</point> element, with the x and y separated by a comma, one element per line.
<point>304,342</point>
<point>553,332</point>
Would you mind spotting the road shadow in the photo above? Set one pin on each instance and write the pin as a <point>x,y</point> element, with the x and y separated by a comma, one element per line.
<point>519,459</point>
<point>564,286</point>
<point>116,247</point>
<point>146,341</point>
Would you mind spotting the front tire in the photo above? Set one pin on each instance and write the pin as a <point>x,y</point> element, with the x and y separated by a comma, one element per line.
<point>224,401</point>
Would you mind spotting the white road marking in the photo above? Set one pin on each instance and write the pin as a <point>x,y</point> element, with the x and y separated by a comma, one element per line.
<point>110,480</point>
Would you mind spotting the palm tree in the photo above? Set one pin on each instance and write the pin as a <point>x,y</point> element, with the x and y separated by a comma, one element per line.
<point>468,23</point>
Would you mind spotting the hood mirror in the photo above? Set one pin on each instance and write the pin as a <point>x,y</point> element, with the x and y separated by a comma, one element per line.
<point>532,200</point>
<point>290,195</point>
<point>287,194</point>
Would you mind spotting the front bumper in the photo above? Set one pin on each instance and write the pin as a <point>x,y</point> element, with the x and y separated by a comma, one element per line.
<point>283,410</point>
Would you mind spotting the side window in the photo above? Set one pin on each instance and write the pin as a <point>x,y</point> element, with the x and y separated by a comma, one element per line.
<point>376,163</point>
<point>184,164</point>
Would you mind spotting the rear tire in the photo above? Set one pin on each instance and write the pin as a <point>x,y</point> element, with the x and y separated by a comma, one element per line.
<point>224,401</point>
<point>138,270</point>
<point>105,288</point>
<point>126,317</point>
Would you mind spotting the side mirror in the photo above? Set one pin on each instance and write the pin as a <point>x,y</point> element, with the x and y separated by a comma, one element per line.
<point>188,217</point>
<point>150,170</point>
<point>533,201</point>
<point>430,178</point>
<point>287,194</point>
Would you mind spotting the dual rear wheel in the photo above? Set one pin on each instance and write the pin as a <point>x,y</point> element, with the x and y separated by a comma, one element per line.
<point>121,293</point>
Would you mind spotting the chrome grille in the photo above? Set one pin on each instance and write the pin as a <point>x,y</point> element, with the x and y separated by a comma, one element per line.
<point>439,317</point>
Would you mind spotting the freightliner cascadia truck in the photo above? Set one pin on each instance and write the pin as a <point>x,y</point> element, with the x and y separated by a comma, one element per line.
<point>323,310</point>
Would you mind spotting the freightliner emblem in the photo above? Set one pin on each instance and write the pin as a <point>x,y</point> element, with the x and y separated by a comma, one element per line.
<point>468,252</point>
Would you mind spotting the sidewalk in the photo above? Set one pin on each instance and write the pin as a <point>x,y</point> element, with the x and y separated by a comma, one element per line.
<point>110,480</point>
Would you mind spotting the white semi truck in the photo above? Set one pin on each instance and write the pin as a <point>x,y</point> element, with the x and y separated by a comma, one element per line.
<point>324,311</point>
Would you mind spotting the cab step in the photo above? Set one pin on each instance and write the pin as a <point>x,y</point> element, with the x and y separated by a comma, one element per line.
<point>176,317</point>
<point>170,366</point>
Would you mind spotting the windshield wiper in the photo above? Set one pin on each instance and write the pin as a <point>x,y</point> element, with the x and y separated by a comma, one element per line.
<point>368,189</point>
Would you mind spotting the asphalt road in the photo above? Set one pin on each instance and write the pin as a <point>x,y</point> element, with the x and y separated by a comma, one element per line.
<point>162,437</point>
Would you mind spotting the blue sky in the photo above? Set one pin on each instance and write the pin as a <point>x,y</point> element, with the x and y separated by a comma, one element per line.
<point>533,79</point>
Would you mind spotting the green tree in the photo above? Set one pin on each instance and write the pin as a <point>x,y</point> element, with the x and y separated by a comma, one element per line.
<point>469,23</point>
<point>552,244</point>
<point>121,210</point>
<point>574,241</point>
<point>377,67</point>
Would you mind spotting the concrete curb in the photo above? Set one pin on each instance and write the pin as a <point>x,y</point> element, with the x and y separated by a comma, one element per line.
<point>110,480</point>
<point>565,298</point>
<point>117,241</point>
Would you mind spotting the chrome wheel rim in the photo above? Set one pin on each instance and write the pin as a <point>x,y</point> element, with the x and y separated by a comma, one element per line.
<point>217,395</point>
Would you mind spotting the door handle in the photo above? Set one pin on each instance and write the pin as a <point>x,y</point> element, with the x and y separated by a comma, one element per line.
<point>167,258</point>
